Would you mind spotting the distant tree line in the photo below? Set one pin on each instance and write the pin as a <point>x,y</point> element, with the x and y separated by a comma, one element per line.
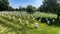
<point>4,6</point>
<point>52,6</point>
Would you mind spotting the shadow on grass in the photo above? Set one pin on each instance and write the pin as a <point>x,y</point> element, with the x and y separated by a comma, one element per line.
<point>55,23</point>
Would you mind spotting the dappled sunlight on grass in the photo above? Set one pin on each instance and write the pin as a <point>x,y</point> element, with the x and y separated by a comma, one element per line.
<point>12,26</point>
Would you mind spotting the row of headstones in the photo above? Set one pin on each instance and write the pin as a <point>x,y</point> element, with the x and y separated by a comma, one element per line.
<point>19,20</point>
<point>26,22</point>
<point>48,20</point>
<point>9,16</point>
<point>20,16</point>
<point>36,25</point>
<point>7,12</point>
<point>2,13</point>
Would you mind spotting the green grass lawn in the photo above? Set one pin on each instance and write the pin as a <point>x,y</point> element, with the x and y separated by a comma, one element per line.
<point>9,26</point>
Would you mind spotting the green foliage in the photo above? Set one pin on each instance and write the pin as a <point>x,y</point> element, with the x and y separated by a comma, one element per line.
<point>4,5</point>
<point>30,9</point>
<point>21,8</point>
<point>49,6</point>
<point>10,8</point>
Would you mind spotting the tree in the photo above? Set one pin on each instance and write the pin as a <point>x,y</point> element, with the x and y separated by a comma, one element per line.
<point>21,8</point>
<point>58,9</point>
<point>30,9</point>
<point>10,8</point>
<point>16,9</point>
<point>4,5</point>
<point>41,8</point>
<point>50,6</point>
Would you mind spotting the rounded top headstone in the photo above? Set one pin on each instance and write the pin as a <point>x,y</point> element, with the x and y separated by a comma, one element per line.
<point>36,25</point>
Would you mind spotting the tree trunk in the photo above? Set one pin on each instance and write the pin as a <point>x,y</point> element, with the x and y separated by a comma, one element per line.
<point>58,16</point>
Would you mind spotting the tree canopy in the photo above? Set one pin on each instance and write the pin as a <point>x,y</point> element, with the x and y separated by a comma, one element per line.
<point>21,8</point>
<point>30,9</point>
<point>4,5</point>
<point>51,6</point>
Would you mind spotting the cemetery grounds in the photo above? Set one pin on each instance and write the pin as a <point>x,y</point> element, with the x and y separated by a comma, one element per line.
<point>12,26</point>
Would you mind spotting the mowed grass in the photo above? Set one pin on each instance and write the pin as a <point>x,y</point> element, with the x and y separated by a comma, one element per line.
<point>9,26</point>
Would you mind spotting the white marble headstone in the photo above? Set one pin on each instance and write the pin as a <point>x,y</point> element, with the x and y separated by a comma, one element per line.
<point>16,14</point>
<point>20,15</point>
<point>53,20</point>
<point>13,17</point>
<point>33,18</point>
<point>9,16</point>
<point>36,25</point>
<point>48,22</point>
<point>40,19</point>
<point>19,20</point>
<point>46,19</point>
<point>2,14</point>
<point>28,17</point>
<point>26,23</point>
